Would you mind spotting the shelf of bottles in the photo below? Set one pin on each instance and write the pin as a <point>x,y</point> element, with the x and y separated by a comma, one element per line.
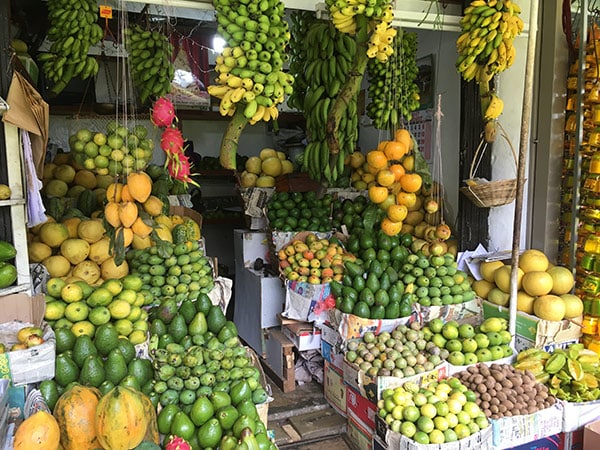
<point>587,256</point>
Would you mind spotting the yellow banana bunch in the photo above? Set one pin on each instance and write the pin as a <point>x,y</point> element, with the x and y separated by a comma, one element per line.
<point>494,108</point>
<point>73,30</point>
<point>485,45</point>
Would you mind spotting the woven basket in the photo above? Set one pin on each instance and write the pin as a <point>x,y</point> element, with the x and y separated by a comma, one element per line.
<point>492,193</point>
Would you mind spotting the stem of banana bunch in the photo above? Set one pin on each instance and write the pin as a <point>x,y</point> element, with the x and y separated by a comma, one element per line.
<point>350,89</point>
<point>229,143</point>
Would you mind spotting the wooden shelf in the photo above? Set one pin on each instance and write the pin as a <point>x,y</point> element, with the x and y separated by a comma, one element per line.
<point>12,202</point>
<point>15,289</point>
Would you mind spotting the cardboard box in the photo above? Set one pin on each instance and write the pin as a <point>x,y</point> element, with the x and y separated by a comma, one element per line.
<point>532,331</point>
<point>547,443</point>
<point>33,364</point>
<point>359,437</point>
<point>334,388</point>
<point>187,212</point>
<point>373,387</point>
<point>331,347</point>
<point>591,436</point>
<point>360,409</point>
<point>578,415</point>
<point>350,326</point>
<point>481,440</point>
<point>467,312</point>
<point>304,335</point>
<point>510,432</point>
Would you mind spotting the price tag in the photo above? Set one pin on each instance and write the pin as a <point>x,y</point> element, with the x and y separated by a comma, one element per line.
<point>106,12</point>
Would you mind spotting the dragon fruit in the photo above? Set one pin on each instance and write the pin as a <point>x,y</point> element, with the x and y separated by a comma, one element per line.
<point>177,443</point>
<point>163,112</point>
<point>180,169</point>
<point>172,141</point>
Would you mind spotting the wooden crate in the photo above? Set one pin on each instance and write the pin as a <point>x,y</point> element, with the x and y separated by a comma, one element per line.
<point>278,362</point>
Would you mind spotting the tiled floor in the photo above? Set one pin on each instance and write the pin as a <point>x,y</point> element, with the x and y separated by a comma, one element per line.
<point>302,420</point>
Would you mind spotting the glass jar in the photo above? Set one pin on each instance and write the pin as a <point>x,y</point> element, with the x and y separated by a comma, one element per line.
<point>589,325</point>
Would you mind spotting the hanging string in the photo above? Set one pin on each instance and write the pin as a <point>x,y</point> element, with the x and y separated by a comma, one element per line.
<point>436,190</point>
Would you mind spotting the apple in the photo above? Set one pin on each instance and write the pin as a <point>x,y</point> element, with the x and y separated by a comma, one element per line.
<point>302,278</point>
<point>315,263</point>
<point>300,247</point>
<point>284,263</point>
<point>308,254</point>
<point>321,254</point>
<point>303,271</point>
<point>287,270</point>
<point>289,250</point>
<point>331,251</point>
<point>315,272</point>
<point>293,275</point>
<point>281,254</point>
<point>316,246</point>
<point>303,262</point>
<point>311,238</point>
<point>443,231</point>
<point>431,206</point>
<point>326,262</point>
<point>327,272</point>
<point>312,279</point>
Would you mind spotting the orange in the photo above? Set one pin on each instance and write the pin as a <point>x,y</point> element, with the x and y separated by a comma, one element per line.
<point>397,213</point>
<point>408,199</point>
<point>385,177</point>
<point>409,163</point>
<point>376,159</point>
<point>390,228</point>
<point>395,150</point>
<point>367,177</point>
<point>403,135</point>
<point>377,194</point>
<point>411,182</point>
<point>397,170</point>
<point>381,145</point>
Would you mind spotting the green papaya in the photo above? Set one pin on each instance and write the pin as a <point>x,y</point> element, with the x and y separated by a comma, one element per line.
<point>7,251</point>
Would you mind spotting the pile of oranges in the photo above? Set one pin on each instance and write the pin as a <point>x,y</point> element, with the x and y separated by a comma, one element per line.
<point>388,175</point>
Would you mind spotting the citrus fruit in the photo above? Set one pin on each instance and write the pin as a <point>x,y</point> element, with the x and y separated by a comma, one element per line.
<point>537,283</point>
<point>549,307</point>
<point>562,280</point>
<point>573,306</point>
<point>502,278</point>
<point>487,269</point>
<point>533,260</point>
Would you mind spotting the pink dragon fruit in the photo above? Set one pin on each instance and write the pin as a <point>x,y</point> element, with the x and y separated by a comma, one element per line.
<point>172,141</point>
<point>181,169</point>
<point>177,443</point>
<point>163,112</point>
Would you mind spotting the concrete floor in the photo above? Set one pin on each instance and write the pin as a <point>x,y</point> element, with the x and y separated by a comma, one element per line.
<point>303,420</point>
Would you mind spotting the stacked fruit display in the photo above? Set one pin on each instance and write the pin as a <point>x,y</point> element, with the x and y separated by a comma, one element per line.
<point>505,391</point>
<point>118,151</point>
<point>82,308</point>
<point>371,288</point>
<point>393,92</point>
<point>444,411</point>
<point>73,30</point>
<point>261,171</point>
<point>326,66</point>
<point>404,352</point>
<point>571,374</point>
<point>168,270</point>
<point>250,66</point>
<point>150,55</point>
<point>466,344</point>
<point>204,379</point>
<point>314,260</point>
<point>103,361</point>
<point>26,337</point>
<point>299,211</point>
<point>543,290</point>
<point>8,271</point>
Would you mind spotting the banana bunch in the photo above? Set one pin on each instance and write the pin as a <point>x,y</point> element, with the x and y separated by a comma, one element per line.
<point>73,30</point>
<point>485,45</point>
<point>150,55</point>
<point>393,92</point>
<point>300,25</point>
<point>250,68</point>
<point>494,107</point>
<point>329,55</point>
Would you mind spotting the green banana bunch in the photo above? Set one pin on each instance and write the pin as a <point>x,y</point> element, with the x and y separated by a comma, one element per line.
<point>485,45</point>
<point>150,55</point>
<point>250,68</point>
<point>73,30</point>
<point>393,92</point>
<point>326,65</point>
<point>300,25</point>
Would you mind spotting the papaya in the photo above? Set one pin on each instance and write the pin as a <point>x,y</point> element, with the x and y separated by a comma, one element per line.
<point>8,274</point>
<point>7,251</point>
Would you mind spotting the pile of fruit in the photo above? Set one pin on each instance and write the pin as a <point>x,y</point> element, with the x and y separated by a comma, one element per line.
<point>489,341</point>
<point>444,411</point>
<point>299,211</point>
<point>103,361</point>
<point>543,289</point>
<point>203,377</point>
<point>570,374</point>
<point>404,352</point>
<point>83,309</point>
<point>26,337</point>
<point>172,271</point>
<point>314,260</point>
<point>8,271</point>
<point>118,151</point>
<point>261,171</point>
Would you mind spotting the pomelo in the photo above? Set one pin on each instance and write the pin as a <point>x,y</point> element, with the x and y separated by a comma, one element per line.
<point>562,280</point>
<point>549,307</point>
<point>75,250</point>
<point>482,288</point>
<point>53,234</point>
<point>573,306</point>
<point>57,265</point>
<point>88,271</point>
<point>38,251</point>
<point>502,278</point>
<point>525,302</point>
<point>253,165</point>
<point>272,166</point>
<point>533,260</point>
<point>268,153</point>
<point>85,178</point>
<point>487,269</point>
<point>56,188</point>
<point>265,181</point>
<point>537,283</point>
<point>248,179</point>
<point>499,297</point>
<point>90,230</point>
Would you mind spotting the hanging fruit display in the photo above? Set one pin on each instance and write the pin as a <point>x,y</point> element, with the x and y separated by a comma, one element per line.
<point>251,81</point>
<point>150,54</point>
<point>392,88</point>
<point>325,65</point>
<point>298,51</point>
<point>485,48</point>
<point>73,30</point>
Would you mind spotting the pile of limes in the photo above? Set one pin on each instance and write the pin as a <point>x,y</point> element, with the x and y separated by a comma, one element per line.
<point>444,411</point>
<point>179,271</point>
<point>299,211</point>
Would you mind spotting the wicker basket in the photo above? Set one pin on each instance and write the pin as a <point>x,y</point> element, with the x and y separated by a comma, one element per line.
<point>489,194</point>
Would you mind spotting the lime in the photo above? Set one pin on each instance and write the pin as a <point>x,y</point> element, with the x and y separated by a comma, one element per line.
<point>408,429</point>
<point>436,437</point>
<point>421,437</point>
